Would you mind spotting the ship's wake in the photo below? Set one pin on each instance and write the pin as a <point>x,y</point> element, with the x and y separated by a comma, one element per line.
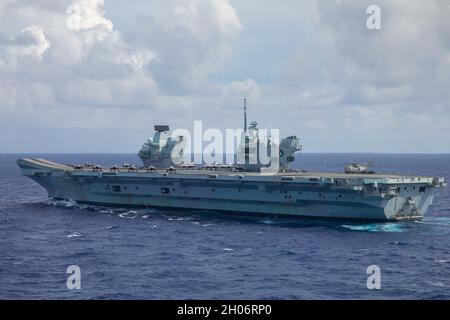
<point>376,227</point>
<point>121,212</point>
<point>435,221</point>
<point>125,213</point>
<point>196,216</point>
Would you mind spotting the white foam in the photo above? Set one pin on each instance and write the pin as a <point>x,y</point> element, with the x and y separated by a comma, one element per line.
<point>268,221</point>
<point>74,235</point>
<point>129,214</point>
<point>375,227</point>
<point>436,284</point>
<point>443,224</point>
<point>442,260</point>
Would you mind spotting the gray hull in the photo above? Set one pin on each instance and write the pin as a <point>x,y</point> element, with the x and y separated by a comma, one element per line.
<point>319,195</point>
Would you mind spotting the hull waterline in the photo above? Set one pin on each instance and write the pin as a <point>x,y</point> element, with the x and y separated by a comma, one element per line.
<point>312,195</point>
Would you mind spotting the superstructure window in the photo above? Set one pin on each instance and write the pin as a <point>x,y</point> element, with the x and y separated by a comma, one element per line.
<point>116,189</point>
<point>422,189</point>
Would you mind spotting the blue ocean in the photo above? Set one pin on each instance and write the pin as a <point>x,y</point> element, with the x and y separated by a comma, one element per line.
<point>164,254</point>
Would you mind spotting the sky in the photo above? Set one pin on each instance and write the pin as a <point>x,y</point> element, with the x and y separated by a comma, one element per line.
<point>96,75</point>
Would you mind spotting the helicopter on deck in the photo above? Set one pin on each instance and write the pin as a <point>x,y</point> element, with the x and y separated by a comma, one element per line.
<point>355,168</point>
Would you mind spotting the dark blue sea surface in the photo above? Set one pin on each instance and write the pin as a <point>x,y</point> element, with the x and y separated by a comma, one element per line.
<point>164,254</point>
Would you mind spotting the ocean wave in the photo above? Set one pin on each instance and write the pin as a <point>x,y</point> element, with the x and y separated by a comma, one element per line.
<point>436,283</point>
<point>186,218</point>
<point>442,260</point>
<point>376,227</point>
<point>107,211</point>
<point>436,221</point>
<point>112,227</point>
<point>62,203</point>
<point>399,243</point>
<point>74,235</point>
<point>121,212</point>
<point>72,204</point>
<point>129,214</point>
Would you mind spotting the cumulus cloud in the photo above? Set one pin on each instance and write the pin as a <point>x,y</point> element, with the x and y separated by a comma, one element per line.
<point>29,43</point>
<point>247,88</point>
<point>87,17</point>
<point>192,40</point>
<point>310,67</point>
<point>90,64</point>
<point>371,90</point>
<point>408,52</point>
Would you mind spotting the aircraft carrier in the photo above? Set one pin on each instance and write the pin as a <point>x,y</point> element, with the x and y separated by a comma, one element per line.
<point>165,181</point>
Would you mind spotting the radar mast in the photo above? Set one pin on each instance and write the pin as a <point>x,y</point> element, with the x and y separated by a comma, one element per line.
<point>245,114</point>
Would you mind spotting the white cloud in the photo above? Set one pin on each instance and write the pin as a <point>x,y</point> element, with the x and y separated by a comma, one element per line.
<point>29,43</point>
<point>191,39</point>
<point>247,88</point>
<point>310,67</point>
<point>87,17</point>
<point>90,70</point>
<point>402,59</point>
